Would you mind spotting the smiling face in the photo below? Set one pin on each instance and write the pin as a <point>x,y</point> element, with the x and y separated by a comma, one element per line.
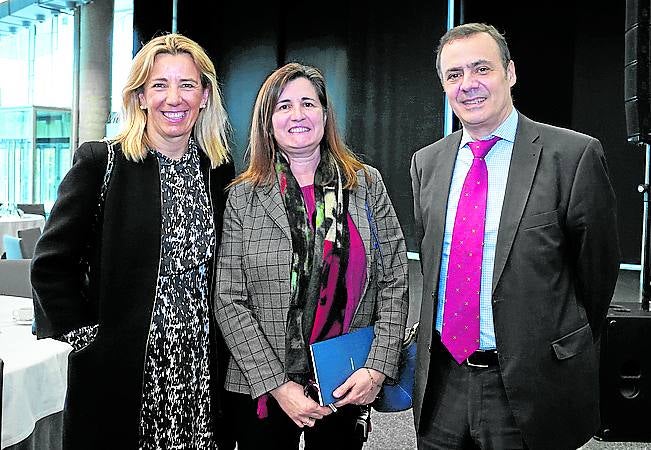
<point>172,96</point>
<point>476,84</point>
<point>298,119</point>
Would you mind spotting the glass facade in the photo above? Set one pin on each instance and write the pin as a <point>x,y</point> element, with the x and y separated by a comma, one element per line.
<point>35,109</point>
<point>36,98</point>
<point>120,60</point>
<point>34,153</point>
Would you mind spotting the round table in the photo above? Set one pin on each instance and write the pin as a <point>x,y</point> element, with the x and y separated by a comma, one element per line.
<point>11,224</point>
<point>35,374</point>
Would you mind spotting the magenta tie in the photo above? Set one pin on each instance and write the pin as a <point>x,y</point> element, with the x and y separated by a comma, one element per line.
<point>460,331</point>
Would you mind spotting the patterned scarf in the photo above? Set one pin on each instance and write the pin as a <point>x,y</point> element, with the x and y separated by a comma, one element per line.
<point>311,269</point>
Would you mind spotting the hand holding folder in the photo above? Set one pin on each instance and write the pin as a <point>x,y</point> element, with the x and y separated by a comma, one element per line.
<point>335,359</point>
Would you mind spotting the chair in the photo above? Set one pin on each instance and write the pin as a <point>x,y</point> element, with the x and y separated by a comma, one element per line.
<point>12,247</point>
<point>15,277</point>
<point>28,238</point>
<point>32,208</point>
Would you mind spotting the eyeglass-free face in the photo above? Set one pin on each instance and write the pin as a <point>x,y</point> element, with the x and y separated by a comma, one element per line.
<point>172,96</point>
<point>476,84</point>
<point>298,119</point>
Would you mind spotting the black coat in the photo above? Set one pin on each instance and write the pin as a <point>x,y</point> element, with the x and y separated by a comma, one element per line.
<point>105,379</point>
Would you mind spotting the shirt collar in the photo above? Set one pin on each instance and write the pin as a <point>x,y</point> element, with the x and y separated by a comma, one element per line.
<point>506,130</point>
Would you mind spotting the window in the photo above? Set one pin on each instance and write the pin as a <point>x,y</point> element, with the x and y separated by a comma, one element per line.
<point>36,94</point>
<point>121,59</point>
<point>35,108</point>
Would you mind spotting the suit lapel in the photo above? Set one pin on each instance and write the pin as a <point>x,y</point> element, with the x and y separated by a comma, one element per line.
<point>357,211</point>
<point>434,192</point>
<point>438,191</point>
<point>524,161</point>
<point>272,202</point>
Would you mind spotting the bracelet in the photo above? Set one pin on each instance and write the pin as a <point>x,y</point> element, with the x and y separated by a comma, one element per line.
<point>375,383</point>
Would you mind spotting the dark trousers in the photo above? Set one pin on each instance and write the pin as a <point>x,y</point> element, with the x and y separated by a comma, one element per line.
<point>278,432</point>
<point>465,408</point>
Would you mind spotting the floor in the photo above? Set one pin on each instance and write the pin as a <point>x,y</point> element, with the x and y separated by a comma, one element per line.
<point>394,431</point>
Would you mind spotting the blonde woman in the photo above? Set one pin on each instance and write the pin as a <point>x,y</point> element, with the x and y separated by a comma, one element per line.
<point>145,345</point>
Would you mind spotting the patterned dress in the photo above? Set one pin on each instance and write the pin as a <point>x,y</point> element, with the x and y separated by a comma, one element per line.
<point>175,411</point>
<point>176,397</point>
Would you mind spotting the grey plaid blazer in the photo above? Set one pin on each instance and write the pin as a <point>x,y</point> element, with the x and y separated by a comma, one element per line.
<point>253,282</point>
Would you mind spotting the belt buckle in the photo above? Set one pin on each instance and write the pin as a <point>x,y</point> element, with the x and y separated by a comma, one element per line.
<point>481,366</point>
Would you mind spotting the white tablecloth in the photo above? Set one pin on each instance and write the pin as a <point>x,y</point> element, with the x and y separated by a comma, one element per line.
<point>11,224</point>
<point>35,374</point>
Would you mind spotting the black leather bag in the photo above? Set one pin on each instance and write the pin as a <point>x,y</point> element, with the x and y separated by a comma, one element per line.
<point>84,261</point>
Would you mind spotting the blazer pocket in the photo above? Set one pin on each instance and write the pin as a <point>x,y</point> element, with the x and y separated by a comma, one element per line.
<point>539,220</point>
<point>573,343</point>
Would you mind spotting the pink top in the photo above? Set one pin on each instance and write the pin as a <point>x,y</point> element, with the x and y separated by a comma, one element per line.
<point>355,276</point>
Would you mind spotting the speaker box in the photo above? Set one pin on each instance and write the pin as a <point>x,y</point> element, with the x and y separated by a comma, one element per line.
<point>625,374</point>
<point>637,75</point>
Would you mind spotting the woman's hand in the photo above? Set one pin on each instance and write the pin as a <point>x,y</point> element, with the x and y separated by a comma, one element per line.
<point>360,388</point>
<point>301,409</point>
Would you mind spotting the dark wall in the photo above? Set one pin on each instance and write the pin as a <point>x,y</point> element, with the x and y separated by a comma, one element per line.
<point>598,109</point>
<point>569,60</point>
<point>244,46</point>
<point>379,65</point>
<point>150,18</point>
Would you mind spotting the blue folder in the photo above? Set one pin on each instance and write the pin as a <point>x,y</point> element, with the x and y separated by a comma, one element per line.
<point>335,359</point>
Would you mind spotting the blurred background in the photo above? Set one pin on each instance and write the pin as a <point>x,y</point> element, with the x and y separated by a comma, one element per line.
<point>63,63</point>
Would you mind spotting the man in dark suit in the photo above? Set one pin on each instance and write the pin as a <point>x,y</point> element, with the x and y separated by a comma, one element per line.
<point>521,369</point>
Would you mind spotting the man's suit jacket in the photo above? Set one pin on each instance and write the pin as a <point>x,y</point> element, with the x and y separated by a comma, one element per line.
<point>555,269</point>
<point>253,281</point>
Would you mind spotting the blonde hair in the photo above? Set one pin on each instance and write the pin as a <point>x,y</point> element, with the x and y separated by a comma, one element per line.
<point>211,131</point>
<point>262,146</point>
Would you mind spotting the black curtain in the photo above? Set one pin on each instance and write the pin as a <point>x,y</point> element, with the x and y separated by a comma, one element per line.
<point>150,18</point>
<point>379,66</point>
<point>569,60</point>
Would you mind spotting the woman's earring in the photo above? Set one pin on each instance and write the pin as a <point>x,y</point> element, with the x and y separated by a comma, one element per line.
<point>143,106</point>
